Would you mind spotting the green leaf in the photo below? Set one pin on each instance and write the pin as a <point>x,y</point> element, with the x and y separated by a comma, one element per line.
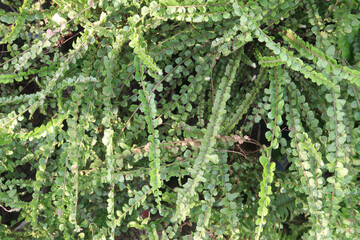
<point>264,160</point>
<point>330,51</point>
<point>213,158</point>
<point>232,196</point>
<point>168,68</point>
<point>329,97</point>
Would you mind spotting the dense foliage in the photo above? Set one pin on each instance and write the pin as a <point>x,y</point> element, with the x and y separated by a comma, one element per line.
<point>185,119</point>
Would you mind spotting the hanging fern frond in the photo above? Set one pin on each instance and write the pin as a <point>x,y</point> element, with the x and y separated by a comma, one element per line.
<point>321,58</point>
<point>206,155</point>
<point>273,136</point>
<point>149,109</point>
<point>269,61</point>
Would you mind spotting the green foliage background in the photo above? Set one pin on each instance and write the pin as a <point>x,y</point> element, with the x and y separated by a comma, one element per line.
<point>171,119</point>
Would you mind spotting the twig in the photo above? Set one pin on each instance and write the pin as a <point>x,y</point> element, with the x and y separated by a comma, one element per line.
<point>11,210</point>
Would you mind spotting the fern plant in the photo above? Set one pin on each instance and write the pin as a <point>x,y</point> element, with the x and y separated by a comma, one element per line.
<point>179,119</point>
